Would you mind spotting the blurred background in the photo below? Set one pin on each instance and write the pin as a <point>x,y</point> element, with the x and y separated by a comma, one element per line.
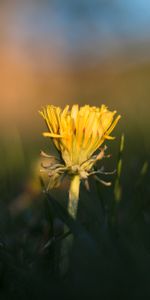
<point>65,52</point>
<point>79,51</point>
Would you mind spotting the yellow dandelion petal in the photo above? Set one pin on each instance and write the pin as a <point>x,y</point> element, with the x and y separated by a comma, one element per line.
<point>113,125</point>
<point>53,135</point>
<point>74,112</point>
<point>77,133</point>
<point>108,137</point>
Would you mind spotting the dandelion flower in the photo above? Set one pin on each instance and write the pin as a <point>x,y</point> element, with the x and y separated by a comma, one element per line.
<point>77,134</point>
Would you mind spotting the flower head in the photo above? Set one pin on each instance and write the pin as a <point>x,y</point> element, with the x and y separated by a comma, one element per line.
<point>77,134</point>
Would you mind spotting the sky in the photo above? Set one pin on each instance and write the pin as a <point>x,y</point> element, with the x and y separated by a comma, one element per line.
<point>78,25</point>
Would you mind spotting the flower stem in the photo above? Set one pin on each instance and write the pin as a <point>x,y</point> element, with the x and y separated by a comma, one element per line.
<point>74,196</point>
<point>67,243</point>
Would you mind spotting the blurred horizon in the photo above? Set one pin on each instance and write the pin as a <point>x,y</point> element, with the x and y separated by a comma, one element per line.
<point>65,52</point>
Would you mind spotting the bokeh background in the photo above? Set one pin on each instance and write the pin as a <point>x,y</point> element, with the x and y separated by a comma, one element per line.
<point>74,52</point>
<point>64,52</point>
<point>84,51</point>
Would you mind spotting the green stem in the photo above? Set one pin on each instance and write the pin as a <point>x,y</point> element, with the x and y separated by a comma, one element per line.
<point>74,196</point>
<point>67,243</point>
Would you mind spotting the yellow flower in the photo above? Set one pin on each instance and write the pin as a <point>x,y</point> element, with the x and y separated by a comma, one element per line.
<point>77,134</point>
